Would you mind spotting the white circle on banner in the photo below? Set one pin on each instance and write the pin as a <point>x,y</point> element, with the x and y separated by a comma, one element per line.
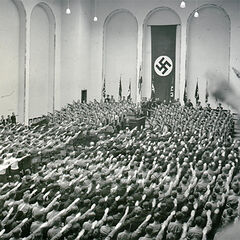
<point>163,66</point>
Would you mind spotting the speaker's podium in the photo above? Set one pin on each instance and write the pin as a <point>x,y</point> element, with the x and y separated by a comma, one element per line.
<point>134,121</point>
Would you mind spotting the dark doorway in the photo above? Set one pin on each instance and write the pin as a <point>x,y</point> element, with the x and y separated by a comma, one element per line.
<point>84,96</point>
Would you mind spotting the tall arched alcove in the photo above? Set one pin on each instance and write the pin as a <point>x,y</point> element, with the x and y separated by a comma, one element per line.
<point>208,49</point>
<point>42,64</point>
<point>120,53</point>
<point>159,17</point>
<point>12,49</point>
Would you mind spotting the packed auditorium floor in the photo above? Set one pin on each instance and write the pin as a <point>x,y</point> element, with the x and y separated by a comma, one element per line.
<point>87,175</point>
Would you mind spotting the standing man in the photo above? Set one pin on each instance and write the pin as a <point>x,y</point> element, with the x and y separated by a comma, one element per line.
<point>13,118</point>
<point>3,121</point>
<point>107,99</point>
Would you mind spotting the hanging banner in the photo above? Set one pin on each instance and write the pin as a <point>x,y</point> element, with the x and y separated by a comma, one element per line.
<point>163,61</point>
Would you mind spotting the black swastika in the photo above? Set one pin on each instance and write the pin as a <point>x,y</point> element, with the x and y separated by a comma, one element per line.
<point>163,66</point>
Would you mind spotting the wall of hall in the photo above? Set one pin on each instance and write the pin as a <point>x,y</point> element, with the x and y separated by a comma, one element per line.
<point>206,55</point>
<point>141,10</point>
<point>10,57</point>
<point>41,80</point>
<point>120,54</point>
<point>21,43</point>
<point>75,50</point>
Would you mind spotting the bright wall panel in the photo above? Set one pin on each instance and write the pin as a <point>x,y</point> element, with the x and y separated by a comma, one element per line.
<point>120,53</point>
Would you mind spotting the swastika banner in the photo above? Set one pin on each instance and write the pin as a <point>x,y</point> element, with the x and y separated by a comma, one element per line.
<point>163,61</point>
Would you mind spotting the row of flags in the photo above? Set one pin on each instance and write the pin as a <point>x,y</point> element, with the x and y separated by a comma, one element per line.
<point>119,90</point>
<point>140,81</point>
<point>196,95</point>
<point>237,73</point>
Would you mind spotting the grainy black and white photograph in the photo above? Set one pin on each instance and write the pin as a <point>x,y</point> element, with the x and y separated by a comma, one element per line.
<point>119,119</point>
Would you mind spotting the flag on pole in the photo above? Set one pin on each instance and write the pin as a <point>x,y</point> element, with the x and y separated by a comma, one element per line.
<point>129,91</point>
<point>185,92</point>
<point>197,93</point>
<point>172,92</point>
<point>236,72</point>
<point>140,81</point>
<point>120,89</point>
<point>153,90</point>
<point>207,94</point>
<point>104,89</point>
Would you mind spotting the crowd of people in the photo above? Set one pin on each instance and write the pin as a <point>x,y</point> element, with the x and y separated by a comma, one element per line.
<point>88,176</point>
<point>9,120</point>
<point>73,124</point>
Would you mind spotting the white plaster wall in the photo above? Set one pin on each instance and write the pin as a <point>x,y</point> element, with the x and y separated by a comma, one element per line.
<point>140,9</point>
<point>9,57</point>
<point>53,10</point>
<point>208,49</point>
<point>234,13</point>
<point>120,55</point>
<point>41,82</point>
<point>15,28</point>
<point>74,43</point>
<point>75,50</point>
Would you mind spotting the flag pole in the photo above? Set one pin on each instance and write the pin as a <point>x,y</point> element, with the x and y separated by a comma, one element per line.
<point>120,88</point>
<point>207,93</point>
<point>236,72</point>
<point>140,80</point>
<point>129,90</point>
